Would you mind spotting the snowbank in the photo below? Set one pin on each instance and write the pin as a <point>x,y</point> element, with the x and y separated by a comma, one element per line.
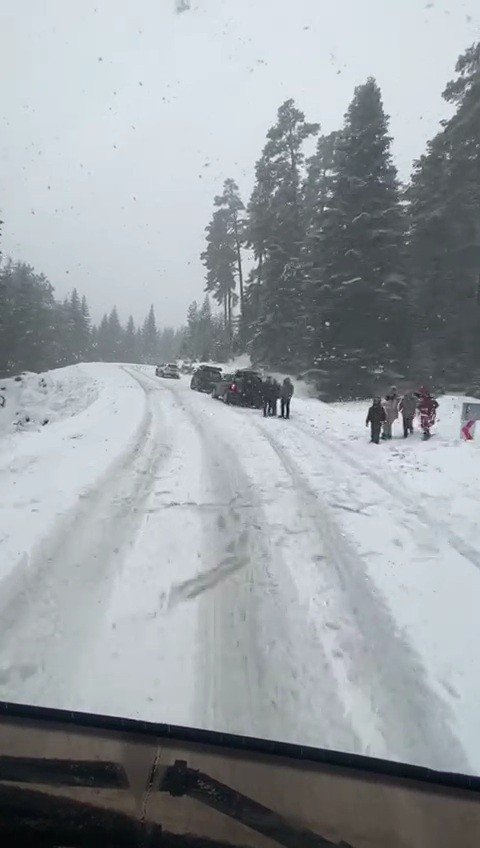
<point>93,411</point>
<point>30,401</point>
<point>410,508</point>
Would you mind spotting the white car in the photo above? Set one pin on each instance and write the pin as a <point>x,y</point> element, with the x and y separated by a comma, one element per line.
<point>170,370</point>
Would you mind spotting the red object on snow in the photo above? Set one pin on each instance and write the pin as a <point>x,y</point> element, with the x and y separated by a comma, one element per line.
<point>467,431</point>
<point>427,407</point>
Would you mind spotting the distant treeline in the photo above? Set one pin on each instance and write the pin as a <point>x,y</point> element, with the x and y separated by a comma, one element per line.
<point>355,277</point>
<point>38,332</point>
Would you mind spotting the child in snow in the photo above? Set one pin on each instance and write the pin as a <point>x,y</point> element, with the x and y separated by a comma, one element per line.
<point>427,407</point>
<point>408,408</point>
<point>390,406</point>
<point>376,417</point>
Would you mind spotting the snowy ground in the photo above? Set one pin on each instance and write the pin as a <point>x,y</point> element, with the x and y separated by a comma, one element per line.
<point>167,557</point>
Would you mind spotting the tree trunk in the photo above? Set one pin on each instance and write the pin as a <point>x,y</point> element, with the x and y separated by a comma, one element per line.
<point>229,314</point>
<point>225,320</point>
<point>239,263</point>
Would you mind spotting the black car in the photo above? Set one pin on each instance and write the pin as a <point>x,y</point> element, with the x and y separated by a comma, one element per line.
<point>245,389</point>
<point>205,378</point>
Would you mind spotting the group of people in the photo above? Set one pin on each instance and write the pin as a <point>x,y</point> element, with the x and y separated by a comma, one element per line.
<point>383,414</point>
<point>272,392</point>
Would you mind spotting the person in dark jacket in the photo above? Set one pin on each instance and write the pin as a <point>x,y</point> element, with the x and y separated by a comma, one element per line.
<point>276,390</point>
<point>376,417</point>
<point>267,389</point>
<point>408,408</point>
<point>286,393</point>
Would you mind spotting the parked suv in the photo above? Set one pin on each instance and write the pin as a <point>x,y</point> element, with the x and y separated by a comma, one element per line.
<point>245,389</point>
<point>205,378</point>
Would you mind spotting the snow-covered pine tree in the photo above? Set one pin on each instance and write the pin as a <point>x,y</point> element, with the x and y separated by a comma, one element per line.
<point>317,190</point>
<point>29,320</point>
<point>220,259</point>
<point>257,231</point>
<point>363,291</point>
<point>205,339</point>
<point>280,330</point>
<point>103,352</point>
<point>150,338</point>
<point>129,342</point>
<point>444,237</point>
<point>86,328</point>
<point>231,201</point>
<point>78,319</point>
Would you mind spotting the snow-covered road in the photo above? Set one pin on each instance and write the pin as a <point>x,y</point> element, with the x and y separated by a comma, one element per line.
<point>166,557</point>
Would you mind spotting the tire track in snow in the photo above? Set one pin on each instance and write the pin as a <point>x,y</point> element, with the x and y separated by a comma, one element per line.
<point>419,513</point>
<point>415,723</point>
<point>51,605</point>
<point>256,678</point>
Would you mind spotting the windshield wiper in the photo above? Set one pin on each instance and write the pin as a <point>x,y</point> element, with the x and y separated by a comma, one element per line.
<point>179,780</point>
<point>101,775</point>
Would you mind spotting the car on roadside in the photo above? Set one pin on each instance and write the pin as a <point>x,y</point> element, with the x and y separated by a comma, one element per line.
<point>219,390</point>
<point>205,378</point>
<point>169,370</point>
<point>246,389</point>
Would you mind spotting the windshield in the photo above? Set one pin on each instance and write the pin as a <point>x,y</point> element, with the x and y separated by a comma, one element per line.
<point>286,192</point>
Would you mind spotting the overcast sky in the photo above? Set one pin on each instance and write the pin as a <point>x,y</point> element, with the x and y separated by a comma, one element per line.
<point>120,120</point>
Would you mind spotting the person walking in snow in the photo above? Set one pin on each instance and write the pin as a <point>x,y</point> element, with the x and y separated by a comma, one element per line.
<point>427,407</point>
<point>376,417</point>
<point>408,408</point>
<point>286,393</point>
<point>390,406</point>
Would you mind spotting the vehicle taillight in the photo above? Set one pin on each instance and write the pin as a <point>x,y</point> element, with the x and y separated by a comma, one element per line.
<point>233,387</point>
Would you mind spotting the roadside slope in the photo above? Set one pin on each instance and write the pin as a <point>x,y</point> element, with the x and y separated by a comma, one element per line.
<point>45,470</point>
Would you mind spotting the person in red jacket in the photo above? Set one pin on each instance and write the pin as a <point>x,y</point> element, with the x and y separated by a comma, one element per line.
<point>427,407</point>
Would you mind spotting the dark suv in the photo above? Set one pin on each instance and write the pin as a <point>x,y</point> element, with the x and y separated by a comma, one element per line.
<point>245,389</point>
<point>205,378</point>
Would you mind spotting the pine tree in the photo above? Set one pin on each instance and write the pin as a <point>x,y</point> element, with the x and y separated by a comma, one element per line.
<point>257,232</point>
<point>139,345</point>
<point>205,335</point>
<point>191,341</point>
<point>86,328</point>
<point>129,345</point>
<point>103,351</point>
<point>281,323</point>
<point>168,344</point>
<point>78,323</point>
<point>28,320</point>
<point>94,343</point>
<point>115,336</point>
<point>150,338</point>
<point>219,259</point>
<point>444,237</point>
<point>230,201</point>
<point>317,192</point>
<point>363,294</point>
